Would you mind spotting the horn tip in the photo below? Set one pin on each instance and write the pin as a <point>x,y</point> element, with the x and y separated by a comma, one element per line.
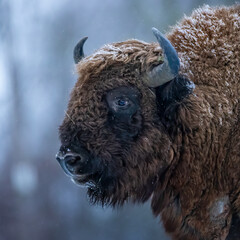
<point>84,39</point>
<point>157,33</point>
<point>154,30</point>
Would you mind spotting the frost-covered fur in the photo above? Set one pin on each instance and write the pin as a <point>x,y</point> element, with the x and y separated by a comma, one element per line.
<point>208,44</point>
<point>196,141</point>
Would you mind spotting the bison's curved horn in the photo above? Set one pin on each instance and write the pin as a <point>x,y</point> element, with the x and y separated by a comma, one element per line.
<point>78,53</point>
<point>170,67</point>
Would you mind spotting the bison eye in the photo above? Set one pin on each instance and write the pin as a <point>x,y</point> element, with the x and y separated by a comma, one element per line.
<point>123,100</point>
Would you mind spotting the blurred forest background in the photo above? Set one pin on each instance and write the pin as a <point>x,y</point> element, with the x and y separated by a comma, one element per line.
<point>37,37</point>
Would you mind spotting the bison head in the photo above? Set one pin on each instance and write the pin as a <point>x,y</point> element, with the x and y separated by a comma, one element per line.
<point>114,139</point>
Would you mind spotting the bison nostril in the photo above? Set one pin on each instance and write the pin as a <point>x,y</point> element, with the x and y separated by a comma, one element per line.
<point>72,159</point>
<point>73,163</point>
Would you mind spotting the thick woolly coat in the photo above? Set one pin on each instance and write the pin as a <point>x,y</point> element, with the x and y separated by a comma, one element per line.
<point>198,196</point>
<point>208,44</point>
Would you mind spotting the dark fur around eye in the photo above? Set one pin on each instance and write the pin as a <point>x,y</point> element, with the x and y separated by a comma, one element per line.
<point>124,111</point>
<point>123,101</point>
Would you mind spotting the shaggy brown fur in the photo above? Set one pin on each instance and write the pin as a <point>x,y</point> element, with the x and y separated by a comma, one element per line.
<point>187,159</point>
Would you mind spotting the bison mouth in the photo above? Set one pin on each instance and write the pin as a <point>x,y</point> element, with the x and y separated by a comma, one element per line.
<point>88,180</point>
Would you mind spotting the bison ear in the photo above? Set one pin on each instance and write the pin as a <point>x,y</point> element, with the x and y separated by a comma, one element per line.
<point>172,92</point>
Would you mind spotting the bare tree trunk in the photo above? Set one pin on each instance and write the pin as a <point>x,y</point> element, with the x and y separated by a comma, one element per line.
<point>13,69</point>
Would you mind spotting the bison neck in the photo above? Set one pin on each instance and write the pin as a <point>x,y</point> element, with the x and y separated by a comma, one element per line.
<point>202,136</point>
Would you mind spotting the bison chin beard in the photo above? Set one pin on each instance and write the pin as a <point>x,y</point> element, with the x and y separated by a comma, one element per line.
<point>113,195</point>
<point>113,191</point>
<point>102,189</point>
